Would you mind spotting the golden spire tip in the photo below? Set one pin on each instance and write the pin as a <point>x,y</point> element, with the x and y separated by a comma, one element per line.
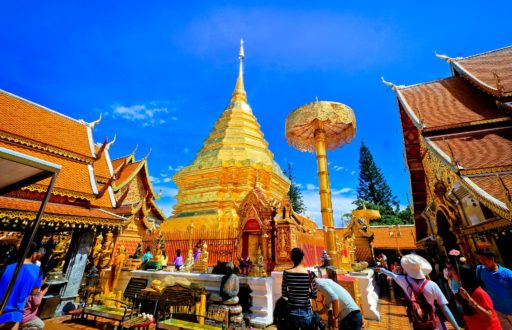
<point>241,55</point>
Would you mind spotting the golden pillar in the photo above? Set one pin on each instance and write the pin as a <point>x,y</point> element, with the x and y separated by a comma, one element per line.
<point>317,127</point>
<point>325,195</point>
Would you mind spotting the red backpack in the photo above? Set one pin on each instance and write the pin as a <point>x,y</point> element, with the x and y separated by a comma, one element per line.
<point>420,312</point>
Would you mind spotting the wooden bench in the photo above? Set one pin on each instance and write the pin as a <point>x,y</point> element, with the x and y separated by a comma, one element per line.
<point>182,303</point>
<point>122,311</point>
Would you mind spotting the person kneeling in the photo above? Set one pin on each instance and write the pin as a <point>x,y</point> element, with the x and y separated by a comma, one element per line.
<point>30,320</point>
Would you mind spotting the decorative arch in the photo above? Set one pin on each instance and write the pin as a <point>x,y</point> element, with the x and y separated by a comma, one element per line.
<point>444,230</point>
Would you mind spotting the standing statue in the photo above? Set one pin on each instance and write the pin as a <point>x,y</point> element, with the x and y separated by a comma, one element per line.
<point>95,255</point>
<point>106,255</point>
<point>115,270</point>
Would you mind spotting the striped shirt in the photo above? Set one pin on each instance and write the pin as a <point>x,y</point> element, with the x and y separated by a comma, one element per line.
<point>296,287</point>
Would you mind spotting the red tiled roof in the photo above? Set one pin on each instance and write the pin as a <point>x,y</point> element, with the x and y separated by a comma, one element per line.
<point>116,163</point>
<point>491,185</point>
<point>448,102</point>
<point>127,171</point>
<point>100,166</point>
<point>383,239</point>
<point>478,150</point>
<point>74,175</point>
<point>481,69</point>
<point>7,203</point>
<point>34,122</point>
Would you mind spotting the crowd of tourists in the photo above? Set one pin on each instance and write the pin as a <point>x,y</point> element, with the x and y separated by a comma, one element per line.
<point>477,298</point>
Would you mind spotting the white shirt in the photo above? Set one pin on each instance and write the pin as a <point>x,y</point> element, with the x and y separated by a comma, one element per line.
<point>431,291</point>
<point>333,291</point>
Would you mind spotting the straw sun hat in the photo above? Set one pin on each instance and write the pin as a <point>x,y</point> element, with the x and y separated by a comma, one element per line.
<point>416,266</point>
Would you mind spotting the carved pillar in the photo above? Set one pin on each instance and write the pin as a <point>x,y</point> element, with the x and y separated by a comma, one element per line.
<point>81,242</point>
<point>284,245</point>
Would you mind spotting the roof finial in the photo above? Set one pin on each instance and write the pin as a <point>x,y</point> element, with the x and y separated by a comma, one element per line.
<point>239,92</point>
<point>390,84</point>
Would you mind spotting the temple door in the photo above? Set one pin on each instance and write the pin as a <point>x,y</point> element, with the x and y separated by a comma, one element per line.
<point>251,238</point>
<point>445,231</point>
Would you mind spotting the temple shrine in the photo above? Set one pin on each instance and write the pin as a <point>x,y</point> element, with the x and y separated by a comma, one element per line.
<point>235,183</point>
<point>458,141</point>
<point>96,207</point>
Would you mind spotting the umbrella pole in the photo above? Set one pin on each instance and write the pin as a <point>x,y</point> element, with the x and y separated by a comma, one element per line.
<point>325,196</point>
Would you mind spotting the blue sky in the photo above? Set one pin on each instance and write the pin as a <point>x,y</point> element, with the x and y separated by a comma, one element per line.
<point>162,72</point>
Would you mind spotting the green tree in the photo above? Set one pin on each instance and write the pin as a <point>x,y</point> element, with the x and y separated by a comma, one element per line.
<point>294,194</point>
<point>372,187</point>
<point>389,217</point>
<point>374,193</point>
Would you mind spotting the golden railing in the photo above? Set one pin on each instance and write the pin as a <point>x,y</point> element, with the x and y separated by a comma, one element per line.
<point>222,244</point>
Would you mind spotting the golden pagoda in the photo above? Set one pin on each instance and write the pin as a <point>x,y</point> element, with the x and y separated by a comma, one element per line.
<point>233,162</point>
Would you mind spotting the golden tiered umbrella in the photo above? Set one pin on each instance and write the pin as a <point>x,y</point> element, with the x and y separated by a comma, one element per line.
<point>317,127</point>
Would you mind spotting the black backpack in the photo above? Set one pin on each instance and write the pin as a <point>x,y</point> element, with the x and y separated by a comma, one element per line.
<point>420,312</point>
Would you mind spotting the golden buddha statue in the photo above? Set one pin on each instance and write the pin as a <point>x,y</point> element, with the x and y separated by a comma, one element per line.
<point>106,254</point>
<point>95,255</point>
<point>115,270</point>
<point>258,269</point>
<point>58,257</point>
<point>190,262</point>
<point>202,264</point>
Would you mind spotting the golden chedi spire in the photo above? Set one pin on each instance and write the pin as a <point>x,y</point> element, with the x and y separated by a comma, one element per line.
<point>239,93</point>
<point>234,156</point>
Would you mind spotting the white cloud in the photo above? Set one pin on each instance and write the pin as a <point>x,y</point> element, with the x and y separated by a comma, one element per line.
<point>154,180</point>
<point>166,204</point>
<point>310,186</point>
<point>171,168</point>
<point>166,191</point>
<point>341,191</point>
<point>338,168</point>
<point>185,150</point>
<point>178,168</point>
<point>146,115</point>
<point>168,179</point>
<point>353,172</point>
<point>340,204</point>
<point>174,118</point>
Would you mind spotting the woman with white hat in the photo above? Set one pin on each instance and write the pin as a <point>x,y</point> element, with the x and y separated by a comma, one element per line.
<point>416,269</point>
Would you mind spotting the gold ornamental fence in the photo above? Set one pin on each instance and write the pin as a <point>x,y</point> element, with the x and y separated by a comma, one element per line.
<point>222,244</point>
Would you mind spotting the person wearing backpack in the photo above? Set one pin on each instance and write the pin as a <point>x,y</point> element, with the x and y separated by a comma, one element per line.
<point>496,280</point>
<point>422,294</point>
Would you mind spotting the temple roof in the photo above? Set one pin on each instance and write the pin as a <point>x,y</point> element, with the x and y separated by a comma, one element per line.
<point>73,180</point>
<point>486,150</point>
<point>490,71</point>
<point>384,240</point>
<point>27,209</point>
<point>35,123</point>
<point>101,166</point>
<point>449,102</point>
<point>466,122</point>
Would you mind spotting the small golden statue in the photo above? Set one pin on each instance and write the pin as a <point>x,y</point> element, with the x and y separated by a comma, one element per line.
<point>95,255</point>
<point>258,269</point>
<point>189,265</point>
<point>106,255</point>
<point>202,264</point>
